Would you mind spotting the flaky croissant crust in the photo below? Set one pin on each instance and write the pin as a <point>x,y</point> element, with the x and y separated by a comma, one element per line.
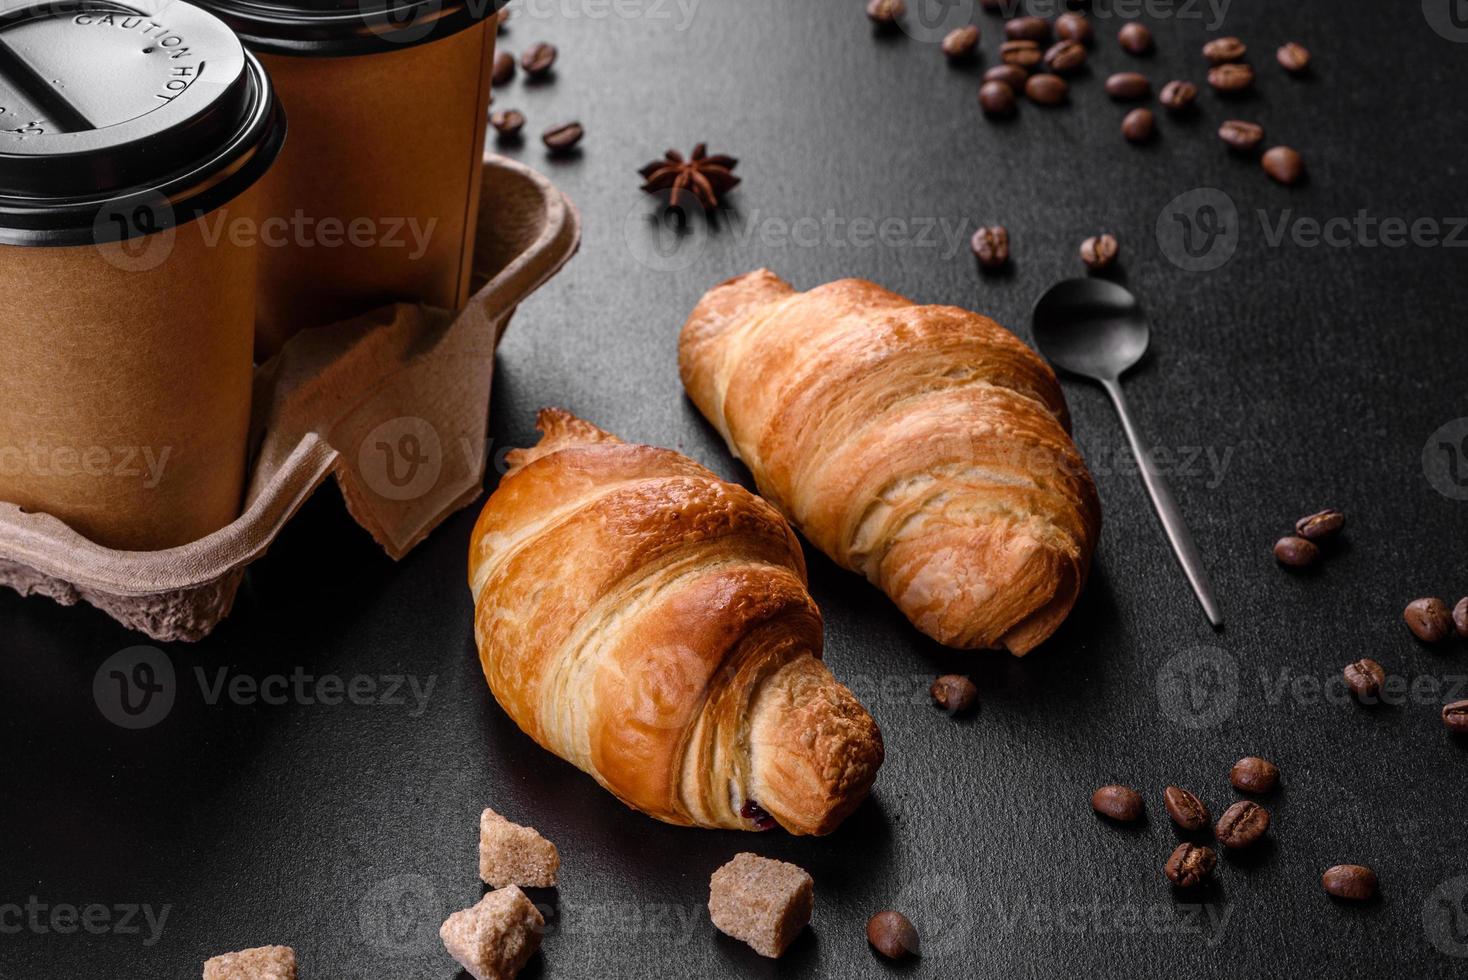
<point>650,623</point>
<point>924,447</point>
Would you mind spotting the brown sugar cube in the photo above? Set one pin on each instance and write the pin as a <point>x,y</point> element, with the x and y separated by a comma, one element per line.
<point>510,854</point>
<point>765,903</point>
<point>261,963</point>
<point>496,938</point>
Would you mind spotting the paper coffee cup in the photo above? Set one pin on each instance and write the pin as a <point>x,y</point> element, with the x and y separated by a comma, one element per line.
<point>374,199</point>
<point>132,140</point>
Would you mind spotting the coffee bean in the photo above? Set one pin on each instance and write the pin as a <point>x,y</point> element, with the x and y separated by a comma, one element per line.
<point>1231,78</point>
<point>508,123</point>
<point>954,693</point>
<point>1284,165</point>
<point>1065,57</point>
<point>1252,774</point>
<point>1011,75</point>
<point>1074,27</point>
<point>1353,882</point>
<point>1190,865</point>
<point>892,935</point>
<point>1138,125</point>
<point>1178,96</point>
<point>991,244</point>
<point>1186,810</point>
<point>504,69</point>
<point>1046,89</point>
<point>1296,552</point>
<point>1364,677</point>
<point>1321,526</point>
<point>996,99</point>
<point>1428,619</point>
<point>1028,29</point>
<point>539,59</point>
<point>1460,617</point>
<point>1455,717</point>
<point>1244,137</point>
<point>1128,85</point>
<point>1099,251</point>
<point>886,13</point>
<point>1293,58</point>
<point>1135,38</point>
<point>1025,54</point>
<point>961,43</point>
<point>1224,49</point>
<point>1242,825</point>
<point>562,138</point>
<point>1120,803</point>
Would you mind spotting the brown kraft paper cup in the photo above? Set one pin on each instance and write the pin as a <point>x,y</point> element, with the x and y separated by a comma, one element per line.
<point>126,345</point>
<point>374,199</point>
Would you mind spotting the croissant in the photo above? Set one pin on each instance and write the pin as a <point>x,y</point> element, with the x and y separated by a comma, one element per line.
<point>650,624</point>
<point>924,447</point>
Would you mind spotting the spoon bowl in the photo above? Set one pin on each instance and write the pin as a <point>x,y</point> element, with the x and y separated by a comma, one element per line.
<point>1091,327</point>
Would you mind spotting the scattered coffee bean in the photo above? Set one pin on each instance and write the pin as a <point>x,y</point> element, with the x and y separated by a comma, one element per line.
<point>1099,251</point>
<point>1365,677</point>
<point>1242,825</point>
<point>1025,54</point>
<point>1353,882</point>
<point>1221,50</point>
<point>1128,85</point>
<point>991,243</point>
<point>1296,552</point>
<point>892,935</point>
<point>1046,89</point>
<point>1231,78</point>
<point>1321,526</point>
<point>961,43</point>
<point>1138,125</point>
<point>1293,58</point>
<point>1284,165</point>
<point>1178,96</point>
<point>1428,619</point>
<point>1028,29</point>
<point>1120,803</point>
<point>954,693</point>
<point>504,69</point>
<point>1011,75</point>
<point>539,59</point>
<point>1252,774</point>
<point>1186,810</point>
<point>1244,137</point>
<point>564,137</point>
<point>1455,717</point>
<point>1460,617</point>
<point>1074,27</point>
<point>886,13</point>
<point>1065,56</point>
<point>1135,38</point>
<point>1190,865</point>
<point>508,123</point>
<point>996,99</point>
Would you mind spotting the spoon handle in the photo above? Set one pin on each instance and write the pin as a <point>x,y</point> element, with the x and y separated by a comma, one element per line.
<point>1167,510</point>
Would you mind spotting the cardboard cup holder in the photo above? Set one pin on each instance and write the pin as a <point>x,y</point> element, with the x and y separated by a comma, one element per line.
<point>394,404</point>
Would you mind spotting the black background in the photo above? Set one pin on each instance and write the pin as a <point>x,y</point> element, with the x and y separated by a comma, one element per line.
<point>1313,376</point>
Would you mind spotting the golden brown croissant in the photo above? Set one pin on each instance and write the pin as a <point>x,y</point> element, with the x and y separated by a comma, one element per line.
<point>649,623</point>
<point>924,447</point>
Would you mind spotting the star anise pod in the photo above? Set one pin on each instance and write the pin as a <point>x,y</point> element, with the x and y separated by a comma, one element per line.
<point>704,178</point>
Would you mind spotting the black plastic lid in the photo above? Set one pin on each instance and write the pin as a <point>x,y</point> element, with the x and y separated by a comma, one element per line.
<point>347,27</point>
<point>118,120</point>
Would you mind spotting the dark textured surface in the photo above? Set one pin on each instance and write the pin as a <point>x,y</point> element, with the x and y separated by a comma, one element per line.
<point>1310,376</point>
